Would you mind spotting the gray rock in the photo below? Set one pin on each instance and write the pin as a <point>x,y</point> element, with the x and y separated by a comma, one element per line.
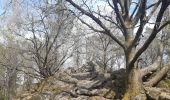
<point>80,98</point>
<point>62,96</point>
<point>85,75</point>
<point>86,84</point>
<point>87,92</point>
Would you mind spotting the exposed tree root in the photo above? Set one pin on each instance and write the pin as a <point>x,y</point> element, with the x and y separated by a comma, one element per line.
<point>157,93</point>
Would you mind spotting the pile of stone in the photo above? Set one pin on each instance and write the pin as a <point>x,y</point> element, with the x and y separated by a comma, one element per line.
<point>86,83</point>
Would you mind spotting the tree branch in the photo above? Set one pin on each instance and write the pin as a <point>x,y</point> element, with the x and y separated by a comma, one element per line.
<point>153,34</point>
<point>151,67</point>
<point>106,30</point>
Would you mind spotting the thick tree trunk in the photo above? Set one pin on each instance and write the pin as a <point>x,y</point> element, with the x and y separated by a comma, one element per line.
<point>134,88</point>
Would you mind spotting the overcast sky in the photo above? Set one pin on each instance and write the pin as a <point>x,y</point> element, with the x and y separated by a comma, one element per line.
<point>1,6</point>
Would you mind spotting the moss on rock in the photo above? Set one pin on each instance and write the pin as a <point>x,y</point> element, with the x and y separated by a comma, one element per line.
<point>164,83</point>
<point>110,94</point>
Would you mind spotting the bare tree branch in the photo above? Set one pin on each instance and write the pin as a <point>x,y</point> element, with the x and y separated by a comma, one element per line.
<point>153,34</point>
<point>106,31</point>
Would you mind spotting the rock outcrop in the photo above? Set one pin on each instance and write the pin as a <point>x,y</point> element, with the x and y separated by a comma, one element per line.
<point>89,82</point>
<point>86,83</point>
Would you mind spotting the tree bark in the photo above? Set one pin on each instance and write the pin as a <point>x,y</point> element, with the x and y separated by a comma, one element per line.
<point>134,88</point>
<point>154,80</point>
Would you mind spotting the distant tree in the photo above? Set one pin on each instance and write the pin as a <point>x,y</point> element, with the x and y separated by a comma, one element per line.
<point>10,61</point>
<point>101,50</point>
<point>49,31</point>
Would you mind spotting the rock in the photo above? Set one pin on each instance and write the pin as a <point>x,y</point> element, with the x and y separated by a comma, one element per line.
<point>87,92</point>
<point>85,75</point>
<point>158,93</point>
<point>83,92</point>
<point>37,97</point>
<point>80,98</point>
<point>141,96</point>
<point>62,96</point>
<point>110,94</point>
<point>70,70</point>
<point>91,67</point>
<point>99,98</point>
<point>86,84</point>
<point>96,82</point>
<point>34,96</point>
<point>69,80</point>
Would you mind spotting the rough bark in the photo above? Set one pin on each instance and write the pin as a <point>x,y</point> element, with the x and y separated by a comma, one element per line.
<point>134,87</point>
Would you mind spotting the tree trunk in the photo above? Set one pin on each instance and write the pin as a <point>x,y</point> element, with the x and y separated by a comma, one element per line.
<point>11,83</point>
<point>134,88</point>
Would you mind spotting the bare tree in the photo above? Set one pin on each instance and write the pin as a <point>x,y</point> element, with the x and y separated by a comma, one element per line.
<point>127,20</point>
<point>101,50</point>
<point>49,45</point>
<point>10,61</point>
